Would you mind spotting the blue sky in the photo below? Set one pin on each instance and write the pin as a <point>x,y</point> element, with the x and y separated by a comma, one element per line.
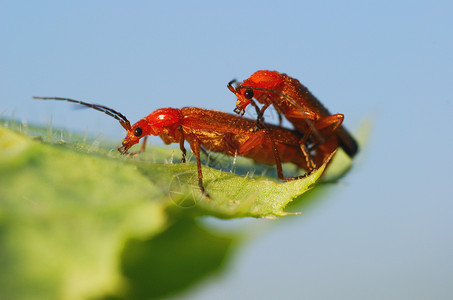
<point>385,232</point>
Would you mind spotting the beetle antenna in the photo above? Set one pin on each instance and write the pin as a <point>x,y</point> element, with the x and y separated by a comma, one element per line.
<point>113,113</point>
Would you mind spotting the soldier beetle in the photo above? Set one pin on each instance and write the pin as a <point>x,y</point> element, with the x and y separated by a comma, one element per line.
<point>214,131</point>
<point>322,130</point>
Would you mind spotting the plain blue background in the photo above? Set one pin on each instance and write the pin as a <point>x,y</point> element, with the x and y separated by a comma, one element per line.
<point>386,231</point>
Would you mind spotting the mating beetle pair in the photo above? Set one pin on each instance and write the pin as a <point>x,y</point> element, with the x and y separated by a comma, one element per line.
<point>316,136</point>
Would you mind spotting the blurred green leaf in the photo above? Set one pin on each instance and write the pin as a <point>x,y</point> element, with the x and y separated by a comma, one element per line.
<point>171,261</point>
<point>64,218</point>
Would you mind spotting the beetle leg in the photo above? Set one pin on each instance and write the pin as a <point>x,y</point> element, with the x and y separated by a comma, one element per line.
<point>181,144</point>
<point>142,149</point>
<point>260,119</point>
<point>331,122</point>
<point>278,163</point>
<point>326,127</point>
<point>308,157</point>
<point>195,146</point>
<point>306,150</point>
<point>331,125</point>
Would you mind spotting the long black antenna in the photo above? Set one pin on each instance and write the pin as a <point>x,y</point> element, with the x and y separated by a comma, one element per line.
<point>113,113</point>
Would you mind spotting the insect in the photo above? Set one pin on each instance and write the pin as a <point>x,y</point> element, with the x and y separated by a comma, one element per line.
<point>214,131</point>
<point>290,98</point>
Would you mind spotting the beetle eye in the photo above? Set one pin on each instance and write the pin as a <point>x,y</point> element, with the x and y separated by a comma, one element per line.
<point>138,132</point>
<point>248,94</point>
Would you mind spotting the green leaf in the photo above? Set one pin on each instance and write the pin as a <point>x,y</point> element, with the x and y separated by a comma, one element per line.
<point>232,196</point>
<point>80,221</point>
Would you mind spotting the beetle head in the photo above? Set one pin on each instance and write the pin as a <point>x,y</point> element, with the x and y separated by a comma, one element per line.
<point>258,86</point>
<point>155,123</point>
<point>244,96</point>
